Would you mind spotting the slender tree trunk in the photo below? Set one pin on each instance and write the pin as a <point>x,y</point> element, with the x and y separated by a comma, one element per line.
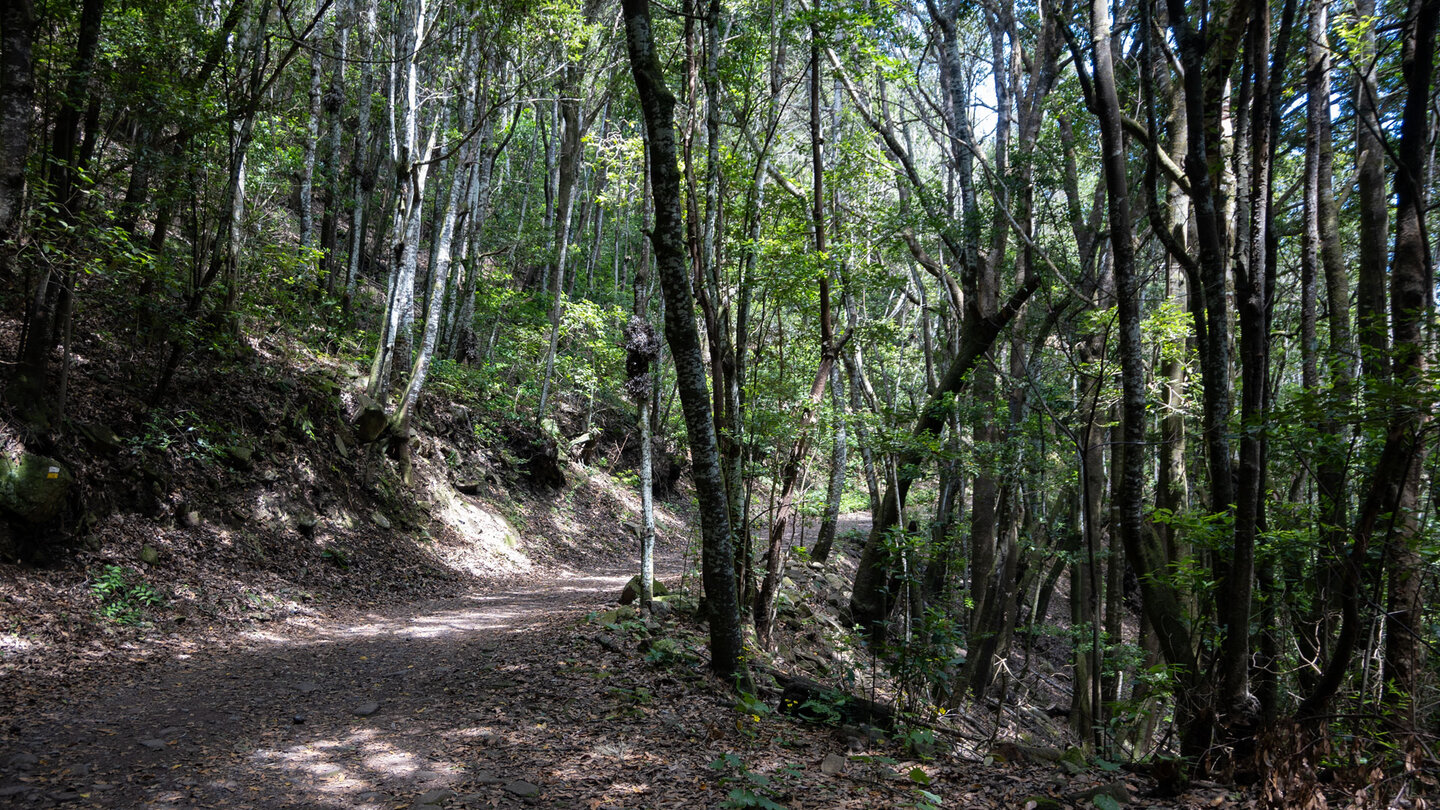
<point>441,269</point>
<point>718,571</point>
<point>774,563</point>
<point>17,92</point>
<point>361,180</point>
<point>410,176</point>
<point>1372,205</point>
<point>835,490</point>
<point>874,591</point>
<point>334,105</point>
<point>307,162</point>
<point>62,171</point>
<point>568,182</point>
<point>1412,284</point>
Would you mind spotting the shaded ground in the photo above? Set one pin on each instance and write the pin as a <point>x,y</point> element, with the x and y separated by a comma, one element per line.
<point>375,711</point>
<point>515,695</point>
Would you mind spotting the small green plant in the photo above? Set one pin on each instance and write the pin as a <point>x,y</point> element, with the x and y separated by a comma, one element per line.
<point>124,599</point>
<point>1104,802</point>
<point>751,789</point>
<point>668,652</point>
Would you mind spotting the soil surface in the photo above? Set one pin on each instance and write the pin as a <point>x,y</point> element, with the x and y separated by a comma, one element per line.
<point>530,693</point>
<point>442,700</point>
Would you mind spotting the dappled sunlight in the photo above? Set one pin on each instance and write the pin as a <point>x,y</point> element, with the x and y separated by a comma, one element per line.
<point>11,644</point>
<point>363,768</point>
<point>490,538</point>
<point>388,706</point>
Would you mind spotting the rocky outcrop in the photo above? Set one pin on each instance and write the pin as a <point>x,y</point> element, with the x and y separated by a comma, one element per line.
<point>33,488</point>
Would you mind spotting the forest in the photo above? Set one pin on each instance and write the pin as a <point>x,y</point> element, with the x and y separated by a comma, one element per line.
<point>1117,311</point>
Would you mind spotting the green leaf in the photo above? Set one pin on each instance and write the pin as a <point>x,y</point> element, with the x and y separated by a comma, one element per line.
<point>1105,802</point>
<point>919,776</point>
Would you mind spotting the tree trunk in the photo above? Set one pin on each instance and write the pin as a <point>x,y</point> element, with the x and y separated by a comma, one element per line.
<point>1412,281</point>
<point>568,181</point>
<point>17,92</point>
<point>361,180</point>
<point>62,170</point>
<point>410,175</point>
<point>718,572</point>
<point>334,106</point>
<point>874,593</point>
<point>774,563</point>
<point>1372,206</point>
<point>825,538</point>
<point>307,162</point>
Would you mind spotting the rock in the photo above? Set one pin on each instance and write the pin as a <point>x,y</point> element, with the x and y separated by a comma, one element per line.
<point>1072,761</point>
<point>372,422</point>
<point>523,789</point>
<point>366,709</point>
<point>240,457</point>
<point>632,590</point>
<point>13,790</point>
<point>154,744</point>
<point>1118,791</point>
<point>833,764</point>
<point>306,520</point>
<point>468,487</point>
<point>486,778</point>
<point>78,771</point>
<point>23,761</point>
<point>149,555</point>
<point>380,520</point>
<point>306,687</point>
<point>190,518</point>
<point>33,488</point>
<point>620,614</point>
<point>340,447</point>
<point>435,797</point>
<point>101,436</point>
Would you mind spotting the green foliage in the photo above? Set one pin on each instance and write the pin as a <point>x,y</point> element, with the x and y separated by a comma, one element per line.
<point>753,789</point>
<point>668,652</point>
<point>185,435</point>
<point>125,598</point>
<point>336,556</point>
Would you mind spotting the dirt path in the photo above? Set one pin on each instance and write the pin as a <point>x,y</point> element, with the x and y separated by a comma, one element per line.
<point>433,701</point>
<point>506,697</point>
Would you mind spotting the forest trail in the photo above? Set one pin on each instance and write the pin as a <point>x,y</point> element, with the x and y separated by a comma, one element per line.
<point>463,702</point>
<point>511,695</point>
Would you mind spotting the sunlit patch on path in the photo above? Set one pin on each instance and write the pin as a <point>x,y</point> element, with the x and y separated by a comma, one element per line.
<point>441,702</point>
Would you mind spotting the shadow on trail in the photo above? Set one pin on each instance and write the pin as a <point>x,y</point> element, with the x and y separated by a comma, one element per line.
<point>485,700</point>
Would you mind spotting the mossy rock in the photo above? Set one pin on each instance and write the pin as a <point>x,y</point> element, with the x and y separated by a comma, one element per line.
<point>33,488</point>
<point>101,436</point>
<point>616,616</point>
<point>1073,761</point>
<point>240,457</point>
<point>632,590</point>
